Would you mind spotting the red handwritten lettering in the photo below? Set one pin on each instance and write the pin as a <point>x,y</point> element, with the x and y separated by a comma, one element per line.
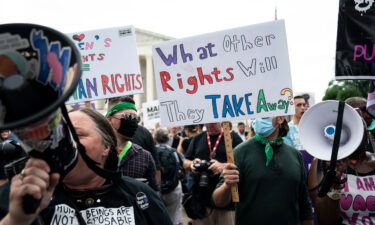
<point>192,81</point>
<point>105,81</point>
<point>203,77</point>
<point>165,77</point>
<point>229,71</point>
<point>120,88</point>
<point>139,81</point>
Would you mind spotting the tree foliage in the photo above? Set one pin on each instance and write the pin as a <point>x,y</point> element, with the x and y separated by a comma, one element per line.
<point>341,90</point>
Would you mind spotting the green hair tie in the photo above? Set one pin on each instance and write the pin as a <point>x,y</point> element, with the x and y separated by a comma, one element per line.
<point>121,106</point>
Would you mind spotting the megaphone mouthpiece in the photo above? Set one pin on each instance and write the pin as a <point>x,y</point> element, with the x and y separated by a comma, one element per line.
<point>329,133</point>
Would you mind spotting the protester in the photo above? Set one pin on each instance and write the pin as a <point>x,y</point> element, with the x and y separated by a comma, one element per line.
<point>134,160</point>
<point>83,197</point>
<point>353,202</point>
<point>142,136</point>
<point>359,103</point>
<point>171,168</point>
<point>270,177</point>
<point>241,131</point>
<point>307,100</point>
<point>209,146</point>
<point>175,136</point>
<point>10,151</point>
<point>292,138</point>
<point>190,132</point>
<point>251,133</point>
<point>7,135</point>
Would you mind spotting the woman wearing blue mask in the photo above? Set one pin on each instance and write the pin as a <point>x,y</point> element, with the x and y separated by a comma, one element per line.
<point>270,176</point>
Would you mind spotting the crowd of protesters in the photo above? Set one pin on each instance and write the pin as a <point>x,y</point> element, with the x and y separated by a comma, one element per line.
<point>186,169</point>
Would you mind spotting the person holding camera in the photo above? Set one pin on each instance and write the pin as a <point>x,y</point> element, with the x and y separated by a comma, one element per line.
<point>270,177</point>
<point>12,160</point>
<point>206,157</point>
<point>82,196</point>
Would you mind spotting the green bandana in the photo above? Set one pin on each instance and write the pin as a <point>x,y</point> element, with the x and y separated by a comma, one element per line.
<point>371,126</point>
<point>121,106</point>
<point>268,150</point>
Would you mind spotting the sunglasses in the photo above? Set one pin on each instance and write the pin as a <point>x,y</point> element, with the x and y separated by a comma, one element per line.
<point>129,116</point>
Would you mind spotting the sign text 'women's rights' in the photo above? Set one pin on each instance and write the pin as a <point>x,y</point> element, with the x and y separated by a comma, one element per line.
<point>228,75</point>
<point>110,64</point>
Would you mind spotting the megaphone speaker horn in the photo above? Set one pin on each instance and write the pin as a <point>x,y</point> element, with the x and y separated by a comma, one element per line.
<point>39,69</point>
<point>317,129</point>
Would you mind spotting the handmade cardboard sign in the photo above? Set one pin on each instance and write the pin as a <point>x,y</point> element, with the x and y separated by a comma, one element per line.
<point>110,64</point>
<point>229,75</point>
<point>151,114</point>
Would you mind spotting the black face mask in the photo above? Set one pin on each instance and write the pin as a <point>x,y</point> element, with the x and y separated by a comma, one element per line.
<point>128,127</point>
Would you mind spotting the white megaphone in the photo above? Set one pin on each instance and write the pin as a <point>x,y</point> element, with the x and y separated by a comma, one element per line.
<point>317,129</point>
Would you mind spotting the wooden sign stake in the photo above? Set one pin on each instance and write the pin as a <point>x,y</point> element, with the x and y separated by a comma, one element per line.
<point>230,158</point>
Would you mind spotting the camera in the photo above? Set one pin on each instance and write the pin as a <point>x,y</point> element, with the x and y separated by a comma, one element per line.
<point>13,157</point>
<point>202,168</point>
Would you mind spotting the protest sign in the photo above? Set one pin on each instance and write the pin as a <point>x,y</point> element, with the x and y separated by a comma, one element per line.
<point>65,214</point>
<point>151,114</point>
<point>110,64</point>
<point>229,75</point>
<point>355,50</point>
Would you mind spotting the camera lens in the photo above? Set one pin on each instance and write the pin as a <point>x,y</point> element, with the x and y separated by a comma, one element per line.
<point>203,181</point>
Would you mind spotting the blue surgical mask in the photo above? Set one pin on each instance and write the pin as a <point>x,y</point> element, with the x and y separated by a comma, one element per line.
<point>263,126</point>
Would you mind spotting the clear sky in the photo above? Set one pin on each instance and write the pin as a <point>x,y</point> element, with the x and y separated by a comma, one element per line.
<point>311,25</point>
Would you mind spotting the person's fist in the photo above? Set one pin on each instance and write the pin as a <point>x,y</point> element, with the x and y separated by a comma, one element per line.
<point>231,174</point>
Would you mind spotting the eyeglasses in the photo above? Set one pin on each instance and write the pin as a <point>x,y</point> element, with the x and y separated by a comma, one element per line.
<point>129,116</point>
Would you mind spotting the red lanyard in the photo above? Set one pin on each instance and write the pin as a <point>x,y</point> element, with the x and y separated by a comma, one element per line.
<point>212,150</point>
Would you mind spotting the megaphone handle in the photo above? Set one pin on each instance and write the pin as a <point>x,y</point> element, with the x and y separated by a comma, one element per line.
<point>30,204</point>
<point>327,182</point>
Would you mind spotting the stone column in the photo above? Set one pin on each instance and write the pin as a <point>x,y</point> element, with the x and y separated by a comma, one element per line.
<point>149,79</point>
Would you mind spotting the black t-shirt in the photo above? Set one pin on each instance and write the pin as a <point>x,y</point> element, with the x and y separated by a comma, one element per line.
<point>198,147</point>
<point>143,137</point>
<point>129,202</point>
<point>175,142</point>
<point>185,144</point>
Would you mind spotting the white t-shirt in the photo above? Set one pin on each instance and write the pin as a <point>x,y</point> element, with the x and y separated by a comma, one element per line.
<point>357,202</point>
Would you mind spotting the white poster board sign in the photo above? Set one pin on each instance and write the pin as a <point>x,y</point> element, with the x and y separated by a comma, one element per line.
<point>151,114</point>
<point>109,62</point>
<point>229,75</point>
